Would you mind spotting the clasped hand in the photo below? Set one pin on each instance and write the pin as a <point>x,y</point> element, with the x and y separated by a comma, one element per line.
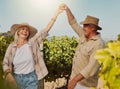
<point>61,8</point>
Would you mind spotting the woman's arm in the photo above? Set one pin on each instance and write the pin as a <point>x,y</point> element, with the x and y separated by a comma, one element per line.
<point>39,37</point>
<point>52,21</point>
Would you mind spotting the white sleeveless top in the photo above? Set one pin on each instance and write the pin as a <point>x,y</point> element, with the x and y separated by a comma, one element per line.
<point>23,61</point>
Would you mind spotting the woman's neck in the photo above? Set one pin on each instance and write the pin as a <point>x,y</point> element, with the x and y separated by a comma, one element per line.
<point>21,42</point>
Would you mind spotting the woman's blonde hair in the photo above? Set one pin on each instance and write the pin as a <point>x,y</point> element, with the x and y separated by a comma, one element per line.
<point>16,36</point>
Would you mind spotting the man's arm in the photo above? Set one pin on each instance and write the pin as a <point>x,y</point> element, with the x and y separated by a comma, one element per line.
<point>68,12</point>
<point>52,21</point>
<point>72,21</point>
<point>74,81</point>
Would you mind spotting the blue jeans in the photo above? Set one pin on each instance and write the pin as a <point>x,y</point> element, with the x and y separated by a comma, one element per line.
<point>27,81</point>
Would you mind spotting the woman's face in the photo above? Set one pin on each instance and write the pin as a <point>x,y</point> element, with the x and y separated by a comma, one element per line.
<point>23,33</point>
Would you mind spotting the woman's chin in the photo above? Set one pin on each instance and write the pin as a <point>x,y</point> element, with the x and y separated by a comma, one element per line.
<point>24,37</point>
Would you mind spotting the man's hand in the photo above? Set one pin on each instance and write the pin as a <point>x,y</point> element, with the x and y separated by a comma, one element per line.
<point>74,81</point>
<point>72,84</point>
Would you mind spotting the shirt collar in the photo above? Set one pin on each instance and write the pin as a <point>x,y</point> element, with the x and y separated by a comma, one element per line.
<point>15,44</point>
<point>94,38</point>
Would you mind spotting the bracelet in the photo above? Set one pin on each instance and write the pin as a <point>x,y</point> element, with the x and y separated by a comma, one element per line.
<point>53,19</point>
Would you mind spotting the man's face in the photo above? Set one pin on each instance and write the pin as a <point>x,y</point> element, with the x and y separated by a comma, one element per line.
<point>89,29</point>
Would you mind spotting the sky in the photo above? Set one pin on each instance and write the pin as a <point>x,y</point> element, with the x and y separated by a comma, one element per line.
<point>38,13</point>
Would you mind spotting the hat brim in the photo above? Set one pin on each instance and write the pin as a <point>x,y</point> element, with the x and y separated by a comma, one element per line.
<point>15,27</point>
<point>99,28</point>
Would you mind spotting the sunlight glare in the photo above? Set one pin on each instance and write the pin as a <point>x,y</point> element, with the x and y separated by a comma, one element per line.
<point>41,3</point>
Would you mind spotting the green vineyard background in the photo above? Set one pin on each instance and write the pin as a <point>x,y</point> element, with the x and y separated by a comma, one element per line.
<point>59,51</point>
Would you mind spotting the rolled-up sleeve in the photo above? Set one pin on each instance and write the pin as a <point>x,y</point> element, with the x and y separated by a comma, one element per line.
<point>7,57</point>
<point>39,37</point>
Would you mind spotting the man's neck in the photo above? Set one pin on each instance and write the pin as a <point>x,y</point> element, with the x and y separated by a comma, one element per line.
<point>92,35</point>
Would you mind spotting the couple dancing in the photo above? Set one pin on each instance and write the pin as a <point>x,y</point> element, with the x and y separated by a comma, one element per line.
<point>23,63</point>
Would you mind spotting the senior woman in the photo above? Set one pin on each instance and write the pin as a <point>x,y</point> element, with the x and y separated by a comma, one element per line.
<point>23,63</point>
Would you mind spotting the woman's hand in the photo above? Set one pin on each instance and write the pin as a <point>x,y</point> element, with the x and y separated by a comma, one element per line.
<point>63,6</point>
<point>11,80</point>
<point>58,11</point>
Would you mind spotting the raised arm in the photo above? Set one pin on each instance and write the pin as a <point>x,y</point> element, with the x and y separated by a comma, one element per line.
<point>39,37</point>
<point>72,21</point>
<point>50,24</point>
<point>68,11</point>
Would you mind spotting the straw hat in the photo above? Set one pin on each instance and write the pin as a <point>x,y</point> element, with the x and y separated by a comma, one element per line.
<point>91,20</point>
<point>15,27</point>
